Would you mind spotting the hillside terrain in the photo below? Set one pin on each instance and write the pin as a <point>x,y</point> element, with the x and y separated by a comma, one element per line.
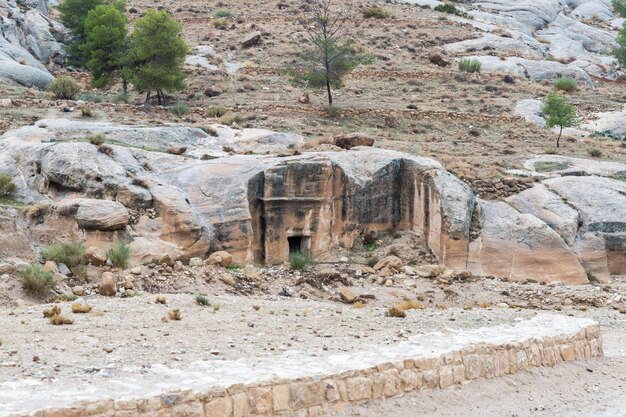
<point>427,200</point>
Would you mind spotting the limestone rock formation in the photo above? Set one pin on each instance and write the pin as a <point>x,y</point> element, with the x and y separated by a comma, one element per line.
<point>260,208</point>
<point>29,42</point>
<point>543,39</point>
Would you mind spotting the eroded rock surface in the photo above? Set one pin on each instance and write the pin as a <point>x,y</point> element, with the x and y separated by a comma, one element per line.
<point>29,42</point>
<point>260,208</point>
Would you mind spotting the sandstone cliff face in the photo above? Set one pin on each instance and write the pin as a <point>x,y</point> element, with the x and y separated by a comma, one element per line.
<point>261,207</point>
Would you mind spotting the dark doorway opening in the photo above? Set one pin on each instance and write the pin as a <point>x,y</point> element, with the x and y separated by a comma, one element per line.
<point>298,244</point>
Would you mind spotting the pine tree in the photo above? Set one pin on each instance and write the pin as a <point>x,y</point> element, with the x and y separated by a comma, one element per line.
<point>332,55</point>
<point>73,14</point>
<point>156,56</point>
<point>559,112</point>
<point>107,43</point>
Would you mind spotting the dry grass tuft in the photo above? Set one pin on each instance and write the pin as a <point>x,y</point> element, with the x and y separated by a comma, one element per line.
<point>410,305</point>
<point>160,299</point>
<point>59,320</point>
<point>395,312</point>
<point>80,308</point>
<point>175,314</point>
<point>52,311</point>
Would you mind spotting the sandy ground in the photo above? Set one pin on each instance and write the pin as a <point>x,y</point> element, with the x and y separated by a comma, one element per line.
<point>121,338</point>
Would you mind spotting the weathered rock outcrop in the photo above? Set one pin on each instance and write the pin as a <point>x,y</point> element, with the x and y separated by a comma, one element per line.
<point>29,41</point>
<point>541,40</point>
<point>260,208</point>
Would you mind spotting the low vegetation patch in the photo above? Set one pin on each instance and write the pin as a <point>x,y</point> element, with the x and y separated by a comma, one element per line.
<point>449,8</point>
<point>119,254</point>
<point>566,84</point>
<point>6,185</point>
<point>64,88</point>
<point>470,65</point>
<point>216,111</point>
<point>550,166</point>
<point>97,139</point>
<point>375,12</point>
<point>68,253</point>
<point>595,152</point>
<point>221,23</point>
<point>221,13</point>
<point>300,260</point>
<point>175,315</point>
<point>202,300</point>
<point>59,320</point>
<point>160,299</point>
<point>180,109</point>
<point>35,281</point>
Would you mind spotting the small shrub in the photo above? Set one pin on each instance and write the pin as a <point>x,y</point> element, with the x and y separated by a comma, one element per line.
<point>55,310</point>
<point>120,97</point>
<point>70,254</point>
<point>449,8</point>
<point>470,65</point>
<point>36,281</point>
<point>202,300</point>
<point>160,299</point>
<point>300,260</point>
<point>395,312</point>
<point>106,149</point>
<point>6,185</point>
<point>175,314</point>
<point>410,305</point>
<point>85,111</point>
<point>372,260</point>
<point>566,84</point>
<point>97,140</point>
<point>80,308</point>
<point>216,111</point>
<point>93,98</point>
<point>231,118</point>
<point>59,320</point>
<point>119,254</point>
<point>221,13</point>
<point>333,111</point>
<point>64,88</point>
<point>375,12</point>
<point>221,23</point>
<point>180,109</point>
<point>595,152</point>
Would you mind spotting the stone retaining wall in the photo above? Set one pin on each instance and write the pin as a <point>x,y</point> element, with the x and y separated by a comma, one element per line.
<point>427,362</point>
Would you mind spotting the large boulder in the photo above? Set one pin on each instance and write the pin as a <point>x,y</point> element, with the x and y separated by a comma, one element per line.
<point>94,214</point>
<point>521,247</point>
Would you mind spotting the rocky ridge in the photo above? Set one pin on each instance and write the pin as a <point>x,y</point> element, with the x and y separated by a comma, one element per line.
<point>197,199</point>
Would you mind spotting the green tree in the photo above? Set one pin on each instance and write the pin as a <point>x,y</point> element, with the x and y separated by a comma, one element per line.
<point>156,56</point>
<point>558,112</point>
<point>331,55</point>
<point>620,51</point>
<point>73,14</point>
<point>107,44</point>
<point>619,6</point>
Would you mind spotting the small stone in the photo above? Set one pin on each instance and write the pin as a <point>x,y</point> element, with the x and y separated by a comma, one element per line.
<point>429,271</point>
<point>213,91</point>
<point>252,40</point>
<point>221,258</point>
<point>347,296</point>
<point>129,282</point>
<point>389,262</point>
<point>108,285</point>
<point>136,270</point>
<point>195,262</point>
<point>94,256</point>
<point>228,279</point>
<point>64,270</point>
<point>344,260</point>
<point>78,290</point>
<point>51,266</point>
